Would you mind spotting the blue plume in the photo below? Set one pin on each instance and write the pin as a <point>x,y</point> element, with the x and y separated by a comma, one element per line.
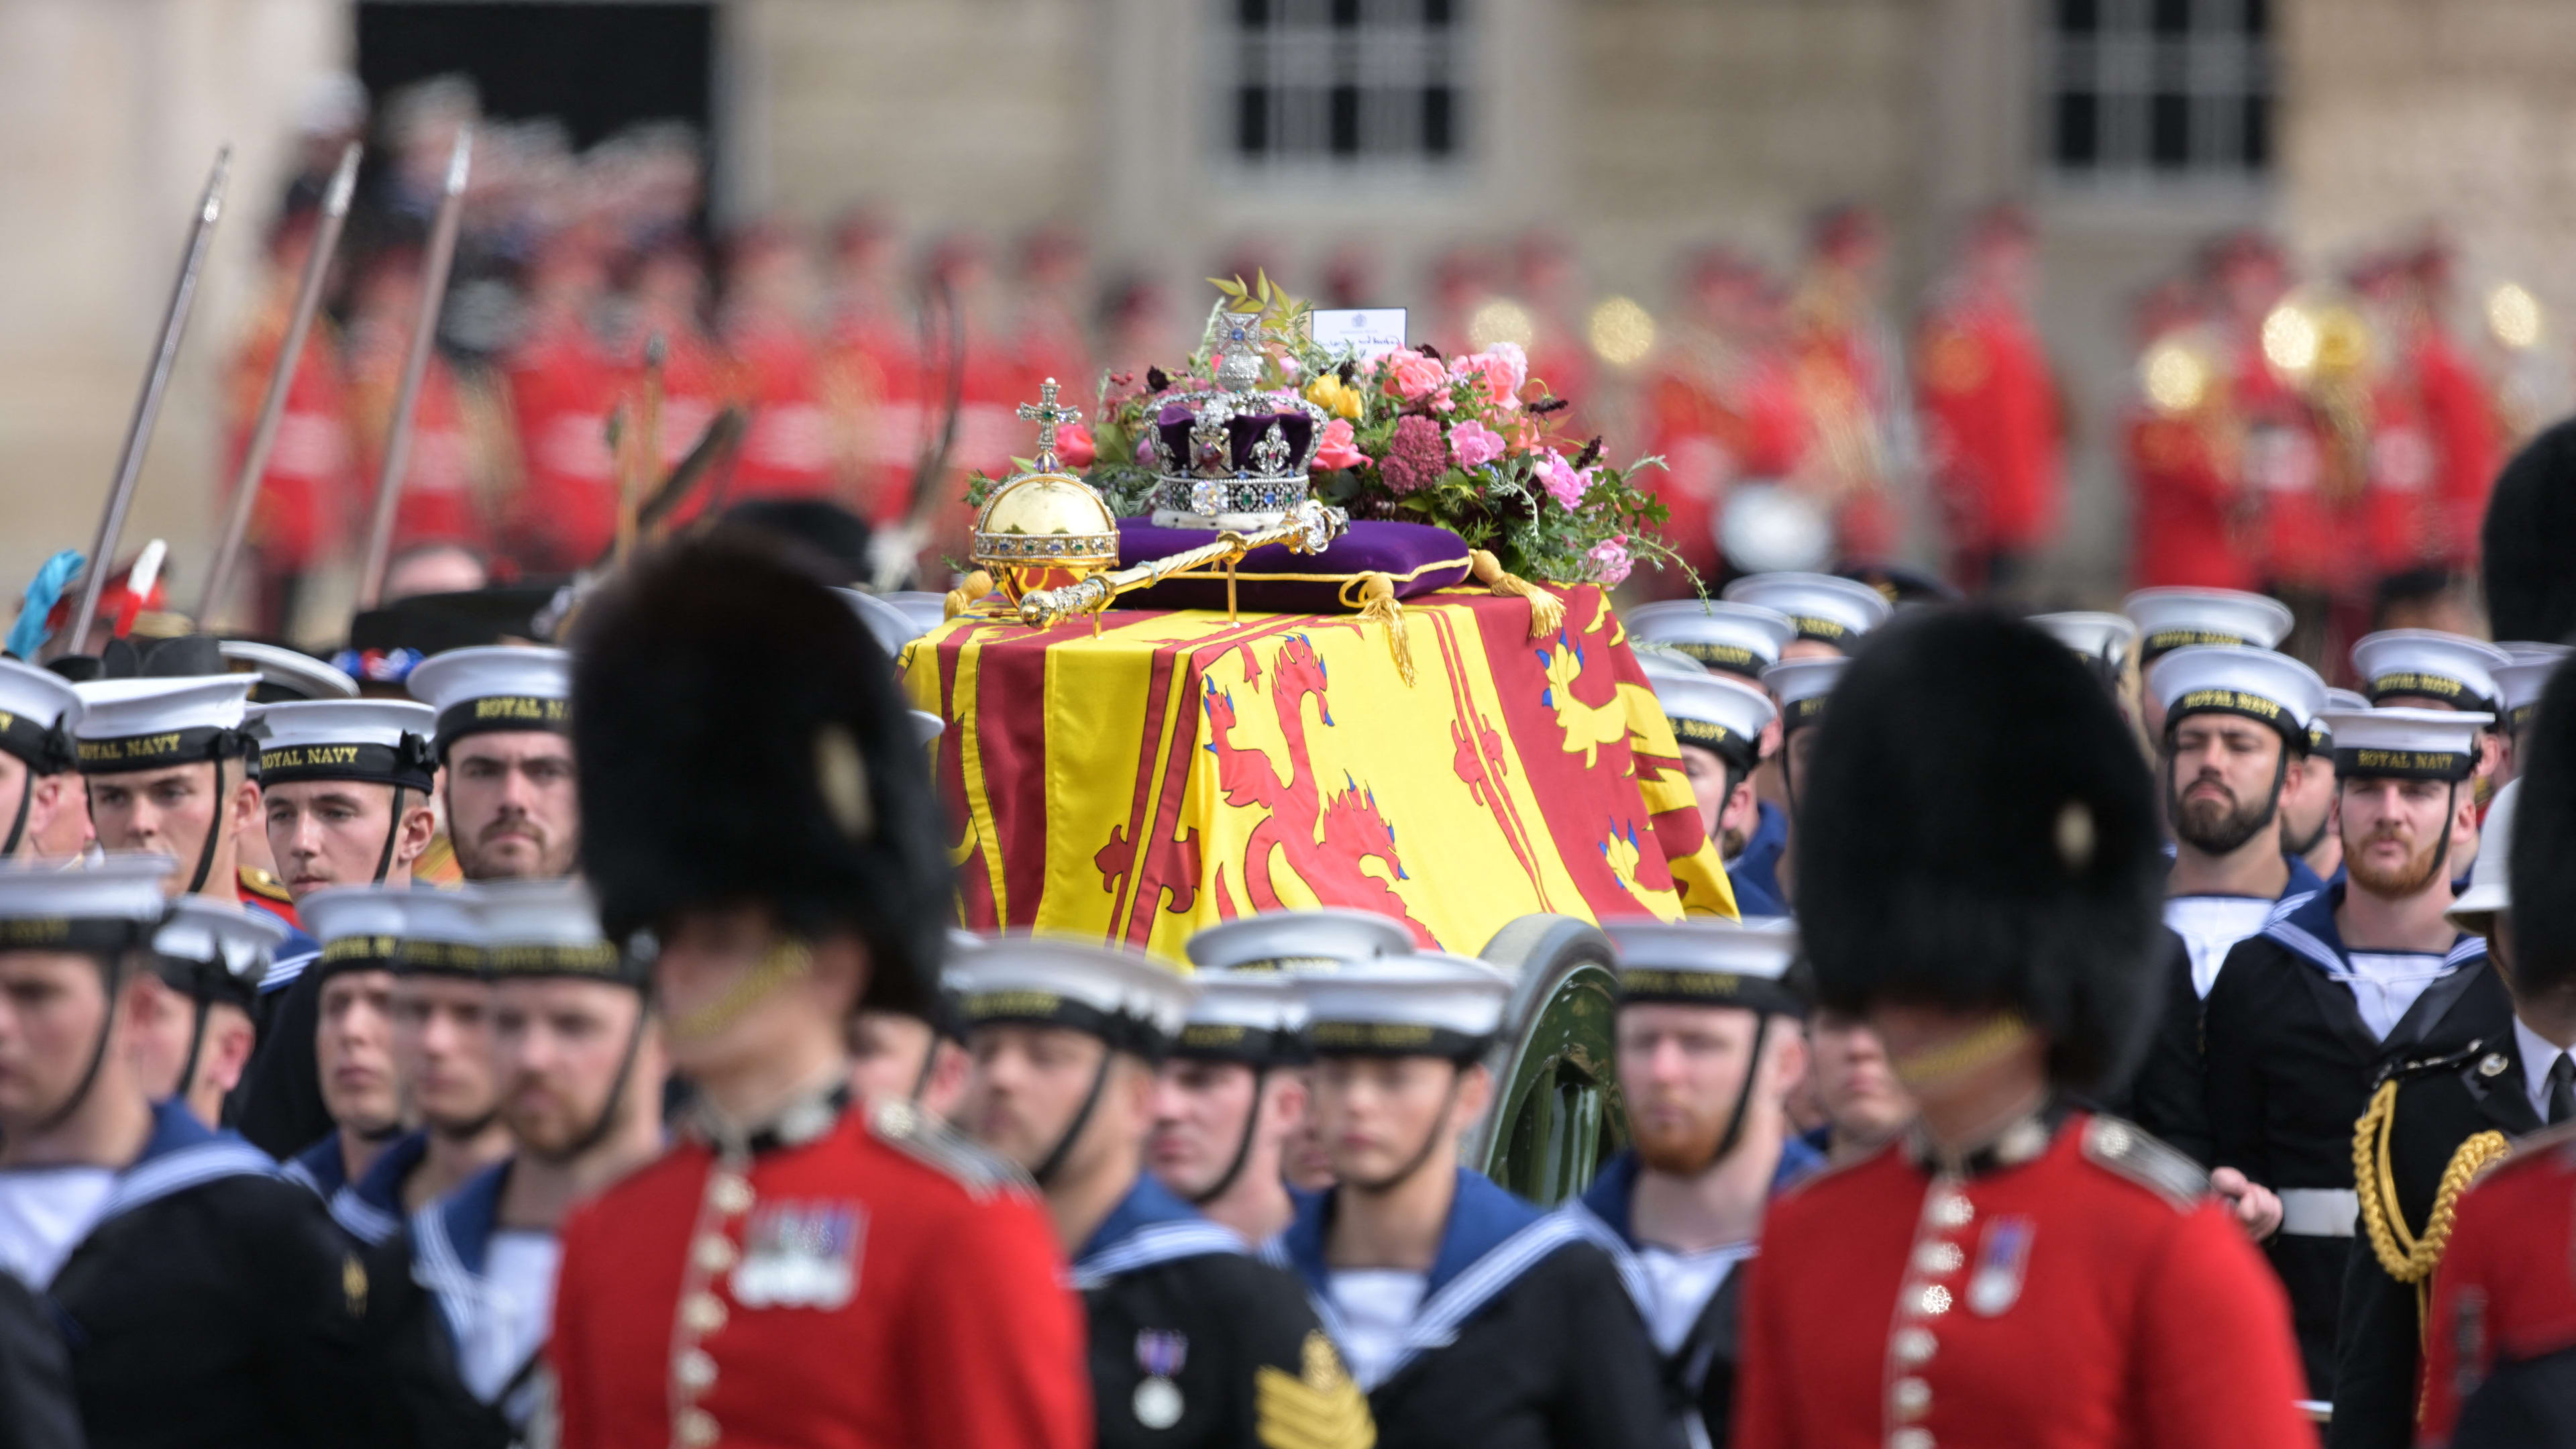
<point>43,591</point>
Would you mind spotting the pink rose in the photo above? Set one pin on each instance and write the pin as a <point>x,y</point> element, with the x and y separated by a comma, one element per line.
<point>1500,372</point>
<point>1610,561</point>
<point>1337,449</point>
<point>1473,445</point>
<point>1073,446</point>
<point>1564,484</point>
<point>1413,377</point>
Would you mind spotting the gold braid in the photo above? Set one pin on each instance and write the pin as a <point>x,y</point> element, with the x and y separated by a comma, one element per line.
<point>2408,1257</point>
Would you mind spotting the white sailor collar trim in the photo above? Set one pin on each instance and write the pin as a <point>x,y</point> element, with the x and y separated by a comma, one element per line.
<point>1445,1312</point>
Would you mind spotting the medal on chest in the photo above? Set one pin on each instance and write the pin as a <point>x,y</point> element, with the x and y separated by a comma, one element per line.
<point>1160,1354</point>
<point>800,1255</point>
<point>2003,1260</point>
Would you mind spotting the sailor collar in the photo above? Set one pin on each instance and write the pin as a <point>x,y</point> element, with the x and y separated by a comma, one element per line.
<point>2024,1139</point>
<point>320,1167</point>
<point>1148,1226</point>
<point>371,1207</point>
<point>181,1153</point>
<point>2305,924</point>
<point>807,1119</point>
<point>452,1240</point>
<point>2303,877</point>
<point>1491,1239</point>
<point>1611,1200</point>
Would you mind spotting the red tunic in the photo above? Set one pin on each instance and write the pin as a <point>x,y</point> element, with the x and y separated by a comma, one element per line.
<point>2087,1297</point>
<point>2506,1290</point>
<point>789,449</point>
<point>2187,513</point>
<point>1991,415</point>
<point>951,1324</point>
<point>2459,413</point>
<point>563,386</point>
<point>1713,422</point>
<point>311,473</point>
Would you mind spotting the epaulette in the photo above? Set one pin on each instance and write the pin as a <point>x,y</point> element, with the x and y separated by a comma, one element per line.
<point>2399,1067</point>
<point>2129,1150</point>
<point>263,885</point>
<point>914,1133</point>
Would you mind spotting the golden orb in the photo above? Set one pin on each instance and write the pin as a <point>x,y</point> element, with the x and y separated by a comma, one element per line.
<point>1044,530</point>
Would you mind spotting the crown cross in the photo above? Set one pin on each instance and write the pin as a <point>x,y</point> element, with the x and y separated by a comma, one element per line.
<point>1048,416</point>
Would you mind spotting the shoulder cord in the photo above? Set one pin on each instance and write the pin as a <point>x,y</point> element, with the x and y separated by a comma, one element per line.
<point>2409,1257</point>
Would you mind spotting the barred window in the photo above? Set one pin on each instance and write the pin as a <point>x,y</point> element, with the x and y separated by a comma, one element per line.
<point>1345,82</point>
<point>2157,88</point>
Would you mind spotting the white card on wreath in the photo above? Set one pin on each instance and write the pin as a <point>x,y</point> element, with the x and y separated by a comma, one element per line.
<point>1369,332</point>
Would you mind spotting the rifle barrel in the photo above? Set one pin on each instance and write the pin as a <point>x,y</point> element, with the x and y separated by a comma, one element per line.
<point>424,334</point>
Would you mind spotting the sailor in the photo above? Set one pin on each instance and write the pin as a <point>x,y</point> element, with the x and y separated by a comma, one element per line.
<point>2430,669</point>
<point>37,712</point>
<point>1979,861</point>
<point>1708,1049</point>
<point>1850,1093</point>
<point>1830,614</point>
<point>2308,799</point>
<point>1193,1340</point>
<point>346,786</point>
<point>35,1373</point>
<point>2500,1340</point>
<point>1720,723</point>
<point>2107,643</point>
<point>2177,618</point>
<point>2303,1012</point>
<point>898,1056</point>
<point>1801,685</point>
<point>194,1037</point>
<point>2518,687</point>
<point>1469,1316</point>
<point>581,1067</point>
<point>1227,1099</point>
<point>441,1000</point>
<point>1737,639</point>
<point>793,1271</point>
<point>2433,1123</point>
<point>351,1063</point>
<point>205,1300</point>
<point>505,747</point>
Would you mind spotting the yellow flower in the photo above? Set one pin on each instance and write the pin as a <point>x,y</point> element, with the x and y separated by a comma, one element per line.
<point>1329,393</point>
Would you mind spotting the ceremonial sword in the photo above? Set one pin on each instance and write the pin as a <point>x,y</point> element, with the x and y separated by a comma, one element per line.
<point>424,333</point>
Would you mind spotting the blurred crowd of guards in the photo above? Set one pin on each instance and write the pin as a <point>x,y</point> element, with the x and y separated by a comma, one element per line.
<point>2318,442</point>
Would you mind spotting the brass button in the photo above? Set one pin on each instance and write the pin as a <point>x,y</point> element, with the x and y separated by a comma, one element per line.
<point>698,1428</point>
<point>702,1314</point>
<point>1954,1211</point>
<point>696,1370</point>
<point>714,1253</point>
<point>1910,1437</point>
<point>1939,1259</point>
<point>1933,1302</point>
<point>1912,1396</point>
<point>730,1193</point>
<point>1915,1346</point>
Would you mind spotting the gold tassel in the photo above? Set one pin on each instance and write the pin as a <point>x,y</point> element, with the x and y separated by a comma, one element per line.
<point>1547,611</point>
<point>970,588</point>
<point>1378,604</point>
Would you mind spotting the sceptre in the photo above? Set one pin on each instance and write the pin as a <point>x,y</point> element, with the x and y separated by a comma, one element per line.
<point>424,333</point>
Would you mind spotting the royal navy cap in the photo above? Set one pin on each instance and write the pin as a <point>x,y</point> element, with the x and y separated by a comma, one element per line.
<point>1252,1017</point>
<point>230,944</point>
<point>2518,684</point>
<point>1423,1005</point>
<point>1126,998</point>
<point>2320,737</point>
<point>285,674</point>
<point>2429,664</point>
<point>2261,685</point>
<point>1821,606</point>
<point>380,741</point>
<point>495,687</point>
<point>152,724</point>
<point>105,904</point>
<point>888,624</point>
<point>358,926</point>
<point>2405,744</point>
<point>1718,713</point>
<point>2490,875</point>
<point>2178,618</point>
<point>1738,638</point>
<point>38,709</point>
<point>547,928</point>
<point>1322,936</point>
<point>1707,962</point>
<point>1801,686</point>
<point>442,935</point>
<point>2104,639</point>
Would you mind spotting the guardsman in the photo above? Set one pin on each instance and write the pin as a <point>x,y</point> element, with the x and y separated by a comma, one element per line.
<point>441,999</point>
<point>2430,669</point>
<point>37,712</point>
<point>2177,618</point>
<point>1719,724</point>
<point>296,521</point>
<point>1979,864</point>
<point>449,457</point>
<point>581,1068</point>
<point>505,745</point>
<point>1193,1340</point>
<point>194,1037</point>
<point>1720,403</point>
<point>2194,518</point>
<point>787,448</point>
<point>563,386</point>
<point>2500,1338</point>
<point>205,1300</point>
<point>1849,373</point>
<point>1992,421</point>
<point>2433,1124</point>
<point>1469,1316</point>
<point>795,1270</point>
<point>2304,1011</point>
<point>1229,1097</point>
<point>352,1058</point>
<point>1708,1049</point>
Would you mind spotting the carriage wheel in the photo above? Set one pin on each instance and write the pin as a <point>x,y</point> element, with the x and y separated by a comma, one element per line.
<point>1556,1116</point>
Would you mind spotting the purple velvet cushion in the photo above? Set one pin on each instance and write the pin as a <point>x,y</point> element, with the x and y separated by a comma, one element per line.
<point>1274,580</point>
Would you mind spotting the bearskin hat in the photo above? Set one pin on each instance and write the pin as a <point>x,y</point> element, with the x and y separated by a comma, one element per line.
<point>1976,831</point>
<point>2542,855</point>
<point>741,740</point>
<point>2528,536</point>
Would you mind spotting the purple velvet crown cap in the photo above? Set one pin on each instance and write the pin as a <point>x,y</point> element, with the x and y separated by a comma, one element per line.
<point>1244,432</point>
<point>1273,579</point>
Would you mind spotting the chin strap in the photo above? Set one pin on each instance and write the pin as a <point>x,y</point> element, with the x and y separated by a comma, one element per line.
<point>2271,802</point>
<point>214,832</point>
<point>202,1000</point>
<point>18,826</point>
<point>1430,1144</point>
<point>115,974</point>
<point>607,1121</point>
<point>929,1064</point>
<point>393,833</point>
<point>1053,1163</point>
<point>1243,1147</point>
<point>1744,1098</point>
<point>2442,852</point>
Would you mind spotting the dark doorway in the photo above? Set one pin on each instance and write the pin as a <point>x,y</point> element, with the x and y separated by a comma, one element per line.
<point>597,68</point>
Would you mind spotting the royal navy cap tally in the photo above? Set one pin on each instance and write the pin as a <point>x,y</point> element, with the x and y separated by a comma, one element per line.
<point>1321,937</point>
<point>107,904</point>
<point>38,709</point>
<point>2320,737</point>
<point>1801,686</point>
<point>359,926</point>
<point>2405,744</point>
<point>2519,683</point>
<point>285,674</point>
<point>1717,713</point>
<point>2179,618</point>
<point>2105,639</point>
<point>2429,664</point>
<point>380,741</point>
<point>547,928</point>
<point>1252,1017</point>
<point>1125,998</point>
<point>2490,875</point>
<point>219,937</point>
<point>889,625</point>
<point>495,687</point>
<point>1821,606</point>
<point>1423,1005</point>
<point>152,724</point>
<point>1738,638</point>
<point>442,935</point>
<point>1707,963</point>
<point>2259,684</point>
